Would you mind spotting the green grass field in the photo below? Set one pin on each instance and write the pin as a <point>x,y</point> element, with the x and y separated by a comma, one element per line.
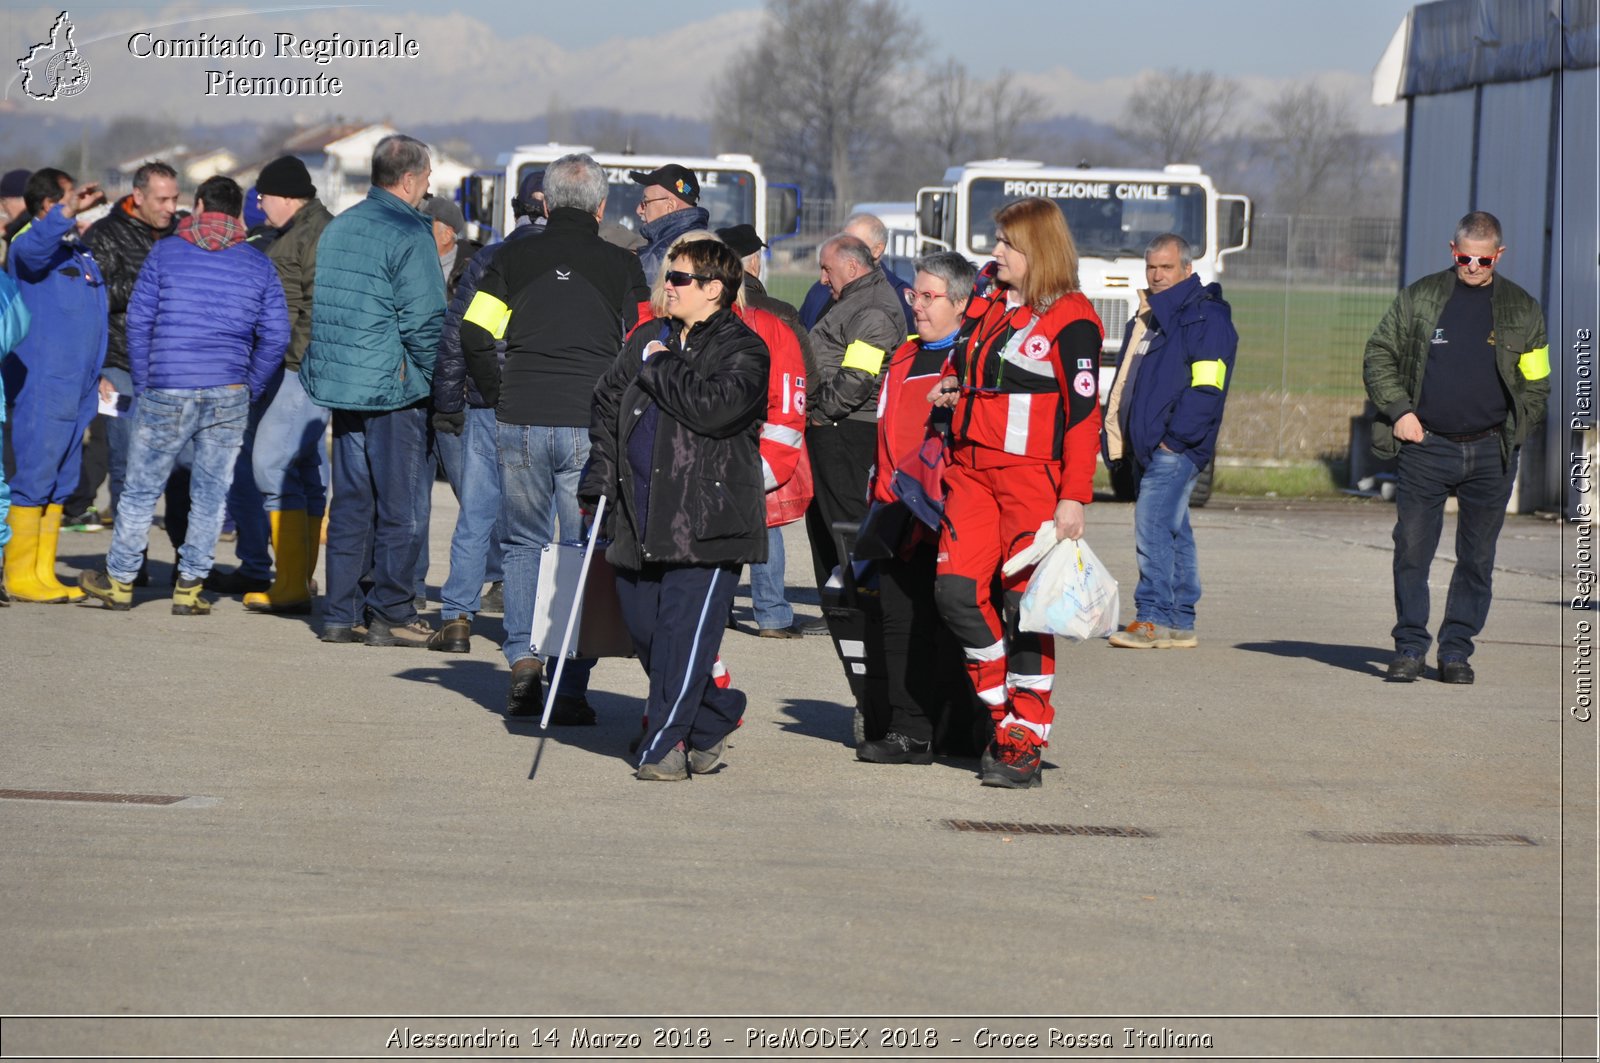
<point>1307,340</point>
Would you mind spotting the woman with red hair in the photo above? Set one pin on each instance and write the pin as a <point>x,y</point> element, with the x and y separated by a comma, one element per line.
<point>1022,385</point>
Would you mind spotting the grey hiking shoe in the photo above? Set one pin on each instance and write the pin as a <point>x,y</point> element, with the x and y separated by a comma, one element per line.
<point>1178,639</point>
<point>674,767</point>
<point>702,761</point>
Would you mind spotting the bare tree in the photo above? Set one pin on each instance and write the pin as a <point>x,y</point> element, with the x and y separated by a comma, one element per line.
<point>814,94</point>
<point>1177,114</point>
<point>959,119</point>
<point>1006,108</point>
<point>945,121</point>
<point>1318,155</point>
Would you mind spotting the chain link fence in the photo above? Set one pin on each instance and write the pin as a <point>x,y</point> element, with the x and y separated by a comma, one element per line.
<point>1306,295</point>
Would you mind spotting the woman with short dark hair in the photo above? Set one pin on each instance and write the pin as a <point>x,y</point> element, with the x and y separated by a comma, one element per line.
<point>674,439</point>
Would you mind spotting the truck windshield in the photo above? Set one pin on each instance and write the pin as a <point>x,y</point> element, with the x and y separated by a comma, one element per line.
<point>1108,219</point>
<point>728,195</point>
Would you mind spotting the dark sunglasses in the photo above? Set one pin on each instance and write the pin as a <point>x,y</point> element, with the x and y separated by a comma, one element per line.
<point>679,279</point>
<point>1483,260</point>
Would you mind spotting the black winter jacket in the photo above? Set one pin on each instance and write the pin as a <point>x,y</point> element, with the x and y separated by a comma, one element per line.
<point>452,387</point>
<point>562,304</point>
<point>707,502</point>
<point>120,242</point>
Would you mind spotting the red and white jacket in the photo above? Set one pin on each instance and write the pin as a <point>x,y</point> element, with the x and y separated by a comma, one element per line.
<point>1029,388</point>
<point>903,409</point>
<point>783,437</point>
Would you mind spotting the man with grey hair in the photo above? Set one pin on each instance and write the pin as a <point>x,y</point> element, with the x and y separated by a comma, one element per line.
<point>374,331</point>
<point>1162,417</point>
<point>870,230</point>
<point>559,305</point>
<point>1459,369</point>
<point>850,344</point>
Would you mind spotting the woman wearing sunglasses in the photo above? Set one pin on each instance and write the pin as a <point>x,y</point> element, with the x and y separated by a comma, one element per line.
<point>674,440</point>
<point>1025,429</point>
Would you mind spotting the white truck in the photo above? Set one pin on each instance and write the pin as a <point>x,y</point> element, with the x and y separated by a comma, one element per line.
<point>1113,214</point>
<point>732,188</point>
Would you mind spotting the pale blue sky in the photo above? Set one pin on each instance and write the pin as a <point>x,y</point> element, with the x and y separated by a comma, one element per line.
<point>496,58</point>
<point>1096,38</point>
<point>1269,38</point>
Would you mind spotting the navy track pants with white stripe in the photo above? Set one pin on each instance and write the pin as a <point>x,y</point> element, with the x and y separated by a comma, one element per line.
<point>676,615</point>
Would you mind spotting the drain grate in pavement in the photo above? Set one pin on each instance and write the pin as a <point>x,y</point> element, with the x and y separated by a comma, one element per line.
<point>79,795</point>
<point>1411,838</point>
<point>990,827</point>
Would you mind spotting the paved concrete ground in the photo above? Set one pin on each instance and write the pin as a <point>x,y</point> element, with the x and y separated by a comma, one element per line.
<point>372,842</point>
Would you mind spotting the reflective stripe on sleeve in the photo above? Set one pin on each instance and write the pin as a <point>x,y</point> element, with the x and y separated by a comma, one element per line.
<point>782,435</point>
<point>489,314</point>
<point>1212,374</point>
<point>1535,365</point>
<point>863,356</point>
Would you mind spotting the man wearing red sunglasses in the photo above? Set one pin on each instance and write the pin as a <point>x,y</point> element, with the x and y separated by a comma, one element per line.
<point>1459,369</point>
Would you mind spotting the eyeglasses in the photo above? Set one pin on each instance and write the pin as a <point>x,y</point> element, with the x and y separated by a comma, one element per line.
<point>1486,261</point>
<point>915,298</point>
<point>648,202</point>
<point>678,279</point>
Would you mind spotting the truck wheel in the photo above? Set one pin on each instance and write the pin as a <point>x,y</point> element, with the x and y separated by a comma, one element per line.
<point>1202,486</point>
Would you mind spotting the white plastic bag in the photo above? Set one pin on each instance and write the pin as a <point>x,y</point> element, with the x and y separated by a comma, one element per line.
<point>1070,593</point>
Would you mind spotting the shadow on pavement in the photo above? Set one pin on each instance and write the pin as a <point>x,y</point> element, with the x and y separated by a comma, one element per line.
<point>827,720</point>
<point>1367,660</point>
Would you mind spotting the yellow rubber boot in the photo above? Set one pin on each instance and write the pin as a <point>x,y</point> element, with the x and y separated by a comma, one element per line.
<point>288,593</point>
<point>22,578</point>
<point>44,564</point>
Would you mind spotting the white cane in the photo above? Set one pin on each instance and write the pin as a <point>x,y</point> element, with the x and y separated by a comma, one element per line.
<point>572,617</point>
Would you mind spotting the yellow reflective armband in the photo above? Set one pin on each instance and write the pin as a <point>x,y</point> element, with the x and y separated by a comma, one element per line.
<point>1211,374</point>
<point>489,314</point>
<point>1535,365</point>
<point>863,356</point>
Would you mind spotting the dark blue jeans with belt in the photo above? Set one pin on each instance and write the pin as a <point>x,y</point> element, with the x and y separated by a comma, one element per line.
<point>1481,480</point>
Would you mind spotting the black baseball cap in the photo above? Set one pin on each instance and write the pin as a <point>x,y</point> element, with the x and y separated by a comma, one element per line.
<point>743,239</point>
<point>679,180</point>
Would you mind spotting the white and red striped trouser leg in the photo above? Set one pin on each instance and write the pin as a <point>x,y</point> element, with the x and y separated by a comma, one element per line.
<point>993,513</point>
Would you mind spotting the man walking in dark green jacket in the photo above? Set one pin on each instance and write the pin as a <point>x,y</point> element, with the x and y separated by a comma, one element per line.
<point>374,329</point>
<point>1459,369</point>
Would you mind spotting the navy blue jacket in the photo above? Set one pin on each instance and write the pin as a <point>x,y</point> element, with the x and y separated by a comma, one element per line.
<point>662,233</point>
<point>1178,392</point>
<point>452,387</point>
<point>820,296</point>
<point>203,316</point>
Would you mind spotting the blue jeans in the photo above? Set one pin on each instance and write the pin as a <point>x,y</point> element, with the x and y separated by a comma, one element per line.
<point>425,476</point>
<point>289,460</point>
<point>244,506</point>
<point>471,464</point>
<point>539,471</point>
<point>212,421</point>
<point>373,517</point>
<point>1429,470</point>
<point>1169,574</point>
<point>766,586</point>
<point>119,434</point>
